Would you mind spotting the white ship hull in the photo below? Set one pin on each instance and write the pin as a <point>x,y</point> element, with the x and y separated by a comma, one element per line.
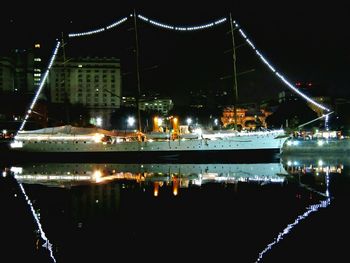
<point>207,144</point>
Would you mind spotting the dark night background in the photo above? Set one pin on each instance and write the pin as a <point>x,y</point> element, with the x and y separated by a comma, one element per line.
<point>304,41</point>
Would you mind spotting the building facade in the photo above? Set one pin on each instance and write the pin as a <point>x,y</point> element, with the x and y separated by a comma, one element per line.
<point>7,75</point>
<point>246,119</point>
<point>20,71</point>
<point>162,105</point>
<point>92,82</point>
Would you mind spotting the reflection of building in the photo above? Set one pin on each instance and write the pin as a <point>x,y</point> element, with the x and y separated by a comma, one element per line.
<point>245,118</point>
<point>96,199</point>
<point>92,82</point>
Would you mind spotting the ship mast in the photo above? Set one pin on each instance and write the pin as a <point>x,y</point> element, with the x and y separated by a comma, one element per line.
<point>235,89</point>
<point>137,73</point>
<point>66,97</point>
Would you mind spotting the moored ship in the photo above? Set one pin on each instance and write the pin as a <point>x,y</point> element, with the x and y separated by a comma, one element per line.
<point>86,141</point>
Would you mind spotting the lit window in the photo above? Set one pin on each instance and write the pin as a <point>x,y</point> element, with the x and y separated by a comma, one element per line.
<point>37,59</point>
<point>37,45</point>
<point>80,66</point>
<point>37,75</point>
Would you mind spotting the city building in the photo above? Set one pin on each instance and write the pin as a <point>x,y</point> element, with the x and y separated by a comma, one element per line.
<point>246,118</point>
<point>150,103</point>
<point>162,105</point>
<point>129,101</point>
<point>37,66</point>
<point>90,81</point>
<point>7,75</point>
<point>20,71</point>
<point>20,75</point>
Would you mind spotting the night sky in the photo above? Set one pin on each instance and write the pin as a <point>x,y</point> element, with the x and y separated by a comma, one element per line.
<point>306,42</point>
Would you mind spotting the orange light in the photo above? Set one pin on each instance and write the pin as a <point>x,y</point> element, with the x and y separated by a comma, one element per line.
<point>155,124</point>
<point>156,187</point>
<point>175,187</point>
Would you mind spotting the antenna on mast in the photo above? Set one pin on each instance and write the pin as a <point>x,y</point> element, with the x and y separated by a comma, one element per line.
<point>137,73</point>
<point>66,97</point>
<point>235,89</point>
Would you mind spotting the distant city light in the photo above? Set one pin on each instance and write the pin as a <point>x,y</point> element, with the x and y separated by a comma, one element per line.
<point>160,121</point>
<point>99,121</point>
<point>131,121</point>
<point>189,121</point>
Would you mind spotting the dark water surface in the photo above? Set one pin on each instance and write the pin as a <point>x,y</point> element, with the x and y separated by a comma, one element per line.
<point>291,210</point>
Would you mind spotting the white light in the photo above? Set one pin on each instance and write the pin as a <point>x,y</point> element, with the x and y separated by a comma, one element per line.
<point>309,210</point>
<point>242,33</point>
<point>198,131</point>
<point>295,143</point>
<point>320,163</point>
<point>117,23</point>
<point>189,121</point>
<point>86,33</point>
<point>102,29</point>
<point>131,121</point>
<point>182,28</point>
<point>16,144</point>
<point>320,143</point>
<point>251,44</point>
<point>4,131</point>
<point>279,75</point>
<point>159,121</point>
<point>16,170</point>
<point>98,137</point>
<point>289,163</point>
<point>99,121</point>
<point>289,143</point>
<point>43,80</point>
<point>47,243</point>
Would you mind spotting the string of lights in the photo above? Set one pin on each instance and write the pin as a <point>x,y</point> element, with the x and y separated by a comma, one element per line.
<point>99,30</point>
<point>309,210</point>
<point>41,85</point>
<point>47,243</point>
<point>182,28</point>
<point>291,86</point>
<point>175,28</point>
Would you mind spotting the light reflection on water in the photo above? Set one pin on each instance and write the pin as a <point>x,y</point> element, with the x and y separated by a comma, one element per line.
<point>102,192</point>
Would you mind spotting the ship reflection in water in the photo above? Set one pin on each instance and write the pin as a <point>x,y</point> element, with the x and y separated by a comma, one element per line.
<point>248,212</point>
<point>177,175</point>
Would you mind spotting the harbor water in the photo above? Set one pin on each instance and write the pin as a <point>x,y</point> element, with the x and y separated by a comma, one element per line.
<point>291,209</point>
